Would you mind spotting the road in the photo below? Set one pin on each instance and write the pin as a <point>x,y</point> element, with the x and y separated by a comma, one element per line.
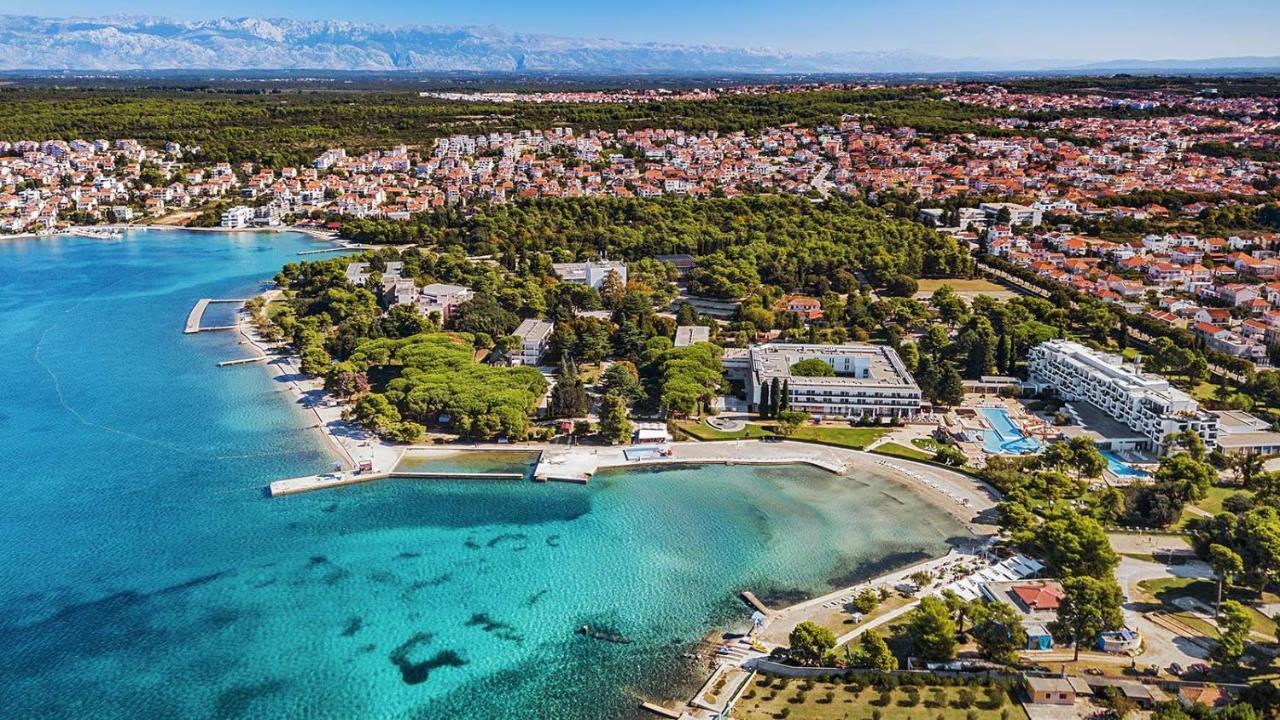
<point>1161,645</point>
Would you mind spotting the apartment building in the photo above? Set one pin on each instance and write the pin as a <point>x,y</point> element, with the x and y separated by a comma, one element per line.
<point>1146,404</point>
<point>237,217</point>
<point>442,298</point>
<point>534,335</point>
<point>870,381</point>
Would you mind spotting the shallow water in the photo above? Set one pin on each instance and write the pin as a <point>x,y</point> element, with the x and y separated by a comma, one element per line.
<point>144,573</point>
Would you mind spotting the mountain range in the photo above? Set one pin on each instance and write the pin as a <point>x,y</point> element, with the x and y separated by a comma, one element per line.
<point>149,43</point>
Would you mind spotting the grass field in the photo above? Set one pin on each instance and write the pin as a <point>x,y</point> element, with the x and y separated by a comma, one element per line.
<point>770,698</point>
<point>850,437</point>
<point>969,286</point>
<point>902,451</point>
<point>1212,503</point>
<point>703,431</point>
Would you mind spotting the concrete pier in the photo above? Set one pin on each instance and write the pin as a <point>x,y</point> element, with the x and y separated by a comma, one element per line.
<point>754,602</point>
<point>660,711</point>
<point>243,361</point>
<point>324,250</point>
<point>197,313</point>
<point>307,483</point>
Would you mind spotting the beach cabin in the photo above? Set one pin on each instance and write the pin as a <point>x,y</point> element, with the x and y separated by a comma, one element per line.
<point>1038,637</point>
<point>1123,640</point>
<point>1051,691</point>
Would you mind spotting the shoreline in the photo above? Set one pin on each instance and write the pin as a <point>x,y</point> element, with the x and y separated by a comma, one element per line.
<point>309,396</point>
<point>87,231</point>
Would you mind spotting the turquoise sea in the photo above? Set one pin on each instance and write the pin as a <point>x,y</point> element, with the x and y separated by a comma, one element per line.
<point>145,574</point>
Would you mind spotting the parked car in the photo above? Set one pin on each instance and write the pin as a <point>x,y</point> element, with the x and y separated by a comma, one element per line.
<point>1176,670</point>
<point>1200,668</point>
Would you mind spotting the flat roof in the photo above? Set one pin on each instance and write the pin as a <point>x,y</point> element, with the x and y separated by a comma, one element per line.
<point>1239,421</point>
<point>534,329</point>
<point>690,334</point>
<point>1240,440</point>
<point>1116,370</point>
<point>1096,422</point>
<point>884,367</point>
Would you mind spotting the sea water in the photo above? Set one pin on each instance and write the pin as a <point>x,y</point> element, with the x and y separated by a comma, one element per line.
<point>144,573</point>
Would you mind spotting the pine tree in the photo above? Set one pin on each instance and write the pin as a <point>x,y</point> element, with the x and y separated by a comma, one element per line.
<point>1004,356</point>
<point>765,403</point>
<point>784,403</point>
<point>776,395</point>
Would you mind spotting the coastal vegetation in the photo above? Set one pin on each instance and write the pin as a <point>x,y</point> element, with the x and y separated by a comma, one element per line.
<point>738,244</point>
<point>434,379</point>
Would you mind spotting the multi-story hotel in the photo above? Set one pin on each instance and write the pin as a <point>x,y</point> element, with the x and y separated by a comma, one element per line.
<point>1147,405</point>
<point>870,381</point>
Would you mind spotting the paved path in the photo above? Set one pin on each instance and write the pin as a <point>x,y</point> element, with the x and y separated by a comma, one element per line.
<point>1162,645</point>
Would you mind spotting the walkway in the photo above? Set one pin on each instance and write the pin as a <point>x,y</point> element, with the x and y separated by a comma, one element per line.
<point>197,314</point>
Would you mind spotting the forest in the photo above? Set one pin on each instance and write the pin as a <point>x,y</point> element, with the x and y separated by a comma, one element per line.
<point>739,244</point>
<point>278,128</point>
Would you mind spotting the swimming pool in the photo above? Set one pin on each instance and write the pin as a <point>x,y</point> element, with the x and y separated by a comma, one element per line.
<point>646,452</point>
<point>1004,437</point>
<point>1120,468</point>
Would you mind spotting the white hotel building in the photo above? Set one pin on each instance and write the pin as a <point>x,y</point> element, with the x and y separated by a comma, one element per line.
<point>870,380</point>
<point>1147,405</point>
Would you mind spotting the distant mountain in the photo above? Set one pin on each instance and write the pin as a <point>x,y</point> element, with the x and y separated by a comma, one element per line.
<point>148,43</point>
<point>1246,62</point>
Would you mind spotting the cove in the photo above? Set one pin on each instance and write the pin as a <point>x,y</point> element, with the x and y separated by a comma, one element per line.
<point>145,575</point>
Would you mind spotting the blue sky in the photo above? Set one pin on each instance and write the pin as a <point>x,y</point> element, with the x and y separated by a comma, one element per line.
<point>1083,29</point>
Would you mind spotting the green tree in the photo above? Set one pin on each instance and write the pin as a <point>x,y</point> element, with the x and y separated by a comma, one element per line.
<point>622,379</point>
<point>375,411</point>
<point>615,427</point>
<point>1087,460</point>
<point>1089,606</point>
<point>402,321</point>
<point>810,642</point>
<point>1187,478</point>
<point>874,653</point>
<point>949,389</point>
<point>766,400</point>
<point>1234,623</point>
<point>1226,563</point>
<point>1074,544</point>
<point>788,421</point>
<point>483,314</point>
<point>932,631</point>
<point>569,397</point>
<point>812,367</point>
<point>998,630</point>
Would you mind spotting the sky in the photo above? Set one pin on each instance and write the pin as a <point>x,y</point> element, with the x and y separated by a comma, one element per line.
<point>1030,29</point>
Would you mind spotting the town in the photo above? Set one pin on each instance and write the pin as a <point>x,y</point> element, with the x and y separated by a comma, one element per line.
<point>1059,325</point>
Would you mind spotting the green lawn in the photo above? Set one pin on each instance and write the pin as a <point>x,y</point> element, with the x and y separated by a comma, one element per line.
<point>769,698</point>
<point>926,443</point>
<point>1212,503</point>
<point>902,451</point>
<point>703,431</point>
<point>1166,590</point>
<point>927,286</point>
<point>850,437</point>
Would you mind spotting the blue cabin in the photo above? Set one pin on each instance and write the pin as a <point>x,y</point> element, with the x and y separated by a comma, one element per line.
<point>1038,637</point>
